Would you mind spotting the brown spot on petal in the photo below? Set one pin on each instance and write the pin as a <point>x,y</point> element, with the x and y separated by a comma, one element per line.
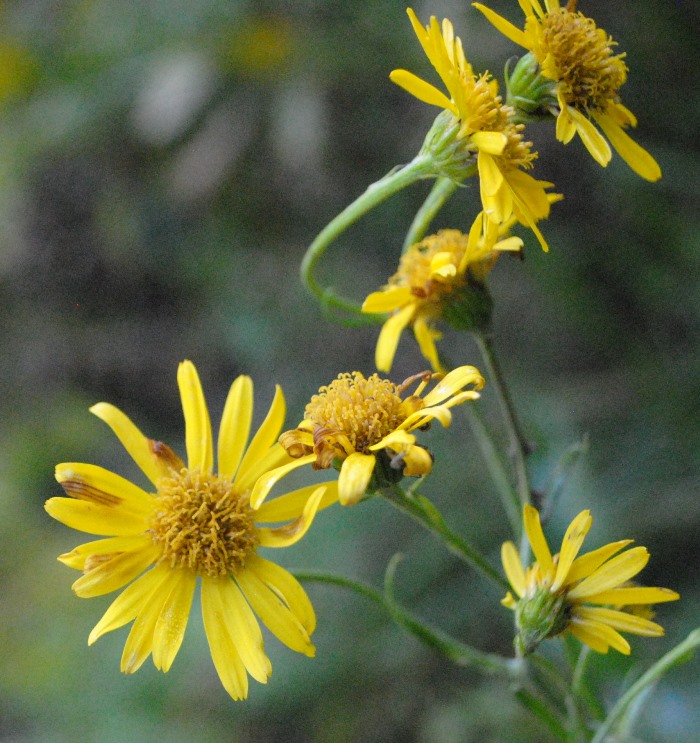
<point>83,491</point>
<point>94,561</point>
<point>165,455</point>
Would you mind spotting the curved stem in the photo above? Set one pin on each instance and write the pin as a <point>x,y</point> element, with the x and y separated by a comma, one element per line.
<point>457,652</point>
<point>441,191</point>
<point>420,167</point>
<point>424,512</point>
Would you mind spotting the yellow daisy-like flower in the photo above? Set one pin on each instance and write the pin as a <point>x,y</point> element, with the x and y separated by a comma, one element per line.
<point>442,275</point>
<point>196,525</point>
<point>576,593</point>
<point>486,127</point>
<point>363,426</point>
<point>572,51</point>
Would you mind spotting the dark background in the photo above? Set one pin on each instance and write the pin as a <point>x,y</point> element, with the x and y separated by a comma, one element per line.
<point>163,166</point>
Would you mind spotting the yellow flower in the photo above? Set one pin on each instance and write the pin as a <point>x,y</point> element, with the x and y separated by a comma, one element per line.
<point>442,275</point>
<point>486,127</point>
<point>581,595</point>
<point>196,524</point>
<point>363,427</point>
<point>579,57</point>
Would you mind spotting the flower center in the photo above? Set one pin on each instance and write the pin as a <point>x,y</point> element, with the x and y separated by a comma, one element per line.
<point>485,111</point>
<point>202,524</point>
<point>363,410</point>
<point>588,72</point>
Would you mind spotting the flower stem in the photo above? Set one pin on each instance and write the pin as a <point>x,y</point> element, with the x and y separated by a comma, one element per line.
<point>424,512</point>
<point>680,654</point>
<point>518,445</point>
<point>441,191</point>
<point>457,652</point>
<point>420,167</point>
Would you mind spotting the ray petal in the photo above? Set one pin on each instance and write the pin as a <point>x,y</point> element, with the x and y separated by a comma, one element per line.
<point>198,436</point>
<point>266,436</point>
<point>513,568</point>
<point>387,300</point>
<point>355,475</point>
<point>538,541</point>
<point>111,574</point>
<point>641,162</point>
<point>170,627</point>
<point>235,426</point>
<point>570,546</point>
<point>95,519</point>
<point>620,620</point>
<point>422,90</point>
<point>612,574</point>
<point>389,337</point>
<point>289,506</point>
<point>266,482</point>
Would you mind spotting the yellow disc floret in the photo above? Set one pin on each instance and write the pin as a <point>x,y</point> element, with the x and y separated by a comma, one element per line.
<point>201,524</point>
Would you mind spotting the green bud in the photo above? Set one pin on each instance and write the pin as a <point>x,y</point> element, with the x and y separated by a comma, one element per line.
<point>532,95</point>
<point>449,152</point>
<point>537,617</point>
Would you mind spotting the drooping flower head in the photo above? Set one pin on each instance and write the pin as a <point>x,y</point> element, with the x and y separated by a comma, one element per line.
<point>193,526</point>
<point>572,51</point>
<point>440,277</point>
<point>585,595</point>
<point>486,127</point>
<point>363,426</point>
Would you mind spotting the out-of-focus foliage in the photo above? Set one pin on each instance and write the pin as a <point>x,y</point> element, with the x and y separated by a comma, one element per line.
<point>162,167</point>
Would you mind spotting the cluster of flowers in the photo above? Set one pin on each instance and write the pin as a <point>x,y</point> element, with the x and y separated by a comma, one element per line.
<point>195,524</point>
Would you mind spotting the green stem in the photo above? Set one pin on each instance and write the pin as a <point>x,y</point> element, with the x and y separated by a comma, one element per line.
<point>680,654</point>
<point>421,166</point>
<point>457,652</point>
<point>495,466</point>
<point>441,191</point>
<point>518,446</point>
<point>424,512</point>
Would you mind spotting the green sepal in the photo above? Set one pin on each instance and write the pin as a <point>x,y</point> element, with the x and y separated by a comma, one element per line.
<point>532,95</point>
<point>537,617</point>
<point>468,307</point>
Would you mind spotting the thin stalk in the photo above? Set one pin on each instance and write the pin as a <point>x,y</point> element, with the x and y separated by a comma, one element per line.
<point>496,468</point>
<point>457,652</point>
<point>441,191</point>
<point>428,516</point>
<point>420,167</point>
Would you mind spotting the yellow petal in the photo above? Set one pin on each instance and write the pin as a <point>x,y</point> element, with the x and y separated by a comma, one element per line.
<point>355,474</point>
<point>451,383</point>
<point>422,90</point>
<point>139,643</point>
<point>389,337</point>
<point>537,540</point>
<point>513,568</point>
<point>78,557</point>
<point>136,444</point>
<point>641,162</point>
<point>267,481</point>
<point>130,602</point>
<point>417,462</point>
<point>620,620</point>
<point>387,300</point>
<point>490,177</point>
<point>492,142</point>
<point>111,574</point>
<point>94,519</point>
<point>566,127</point>
<point>226,659</point>
<point>504,26</point>
<point>290,505</point>
<point>598,635</point>
<point>198,436</point>
<point>634,596</point>
<point>570,547</point>
<point>275,615</point>
<point>94,484</point>
<point>266,436</point>
<point>171,624</point>
<point>285,536</point>
<point>585,565</point>
<point>426,336</point>
<point>275,457</point>
<point>235,426</point>
<point>593,140</point>
<point>286,587</point>
<point>612,574</point>
<point>242,626</point>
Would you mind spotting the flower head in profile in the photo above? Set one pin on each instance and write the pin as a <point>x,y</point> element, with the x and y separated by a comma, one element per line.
<point>588,596</point>
<point>193,525</point>
<point>572,51</point>
<point>363,427</point>
<point>486,127</point>
<point>440,277</point>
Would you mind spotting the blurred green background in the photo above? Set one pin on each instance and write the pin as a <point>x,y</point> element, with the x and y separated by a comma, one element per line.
<point>163,166</point>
